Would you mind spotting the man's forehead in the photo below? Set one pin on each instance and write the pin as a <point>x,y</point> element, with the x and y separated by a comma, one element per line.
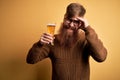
<point>74,18</point>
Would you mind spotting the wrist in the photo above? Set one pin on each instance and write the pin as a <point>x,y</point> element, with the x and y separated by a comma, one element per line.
<point>39,43</point>
<point>86,29</point>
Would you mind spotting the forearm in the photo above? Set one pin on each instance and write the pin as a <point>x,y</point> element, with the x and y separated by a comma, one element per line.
<point>98,51</point>
<point>37,53</point>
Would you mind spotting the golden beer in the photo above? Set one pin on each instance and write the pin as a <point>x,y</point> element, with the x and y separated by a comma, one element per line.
<point>51,28</point>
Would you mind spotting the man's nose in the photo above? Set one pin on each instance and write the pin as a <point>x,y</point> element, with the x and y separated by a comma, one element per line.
<point>71,24</point>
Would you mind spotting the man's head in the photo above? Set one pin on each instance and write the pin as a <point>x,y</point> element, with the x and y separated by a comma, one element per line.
<point>70,25</point>
<point>75,10</point>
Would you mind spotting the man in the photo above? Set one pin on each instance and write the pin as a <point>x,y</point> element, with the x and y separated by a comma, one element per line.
<point>73,46</point>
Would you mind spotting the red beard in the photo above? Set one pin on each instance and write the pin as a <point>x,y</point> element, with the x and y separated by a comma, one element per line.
<point>65,39</point>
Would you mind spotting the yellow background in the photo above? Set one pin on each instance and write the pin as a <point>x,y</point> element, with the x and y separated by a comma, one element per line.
<point>23,21</point>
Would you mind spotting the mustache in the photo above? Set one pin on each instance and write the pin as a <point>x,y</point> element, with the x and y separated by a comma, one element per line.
<point>68,27</point>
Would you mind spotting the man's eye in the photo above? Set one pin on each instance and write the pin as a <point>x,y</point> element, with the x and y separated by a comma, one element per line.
<point>70,20</point>
<point>76,21</point>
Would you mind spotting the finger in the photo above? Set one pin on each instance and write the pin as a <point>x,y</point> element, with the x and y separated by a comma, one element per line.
<point>45,39</point>
<point>80,24</point>
<point>45,42</point>
<point>48,34</point>
<point>80,18</point>
<point>48,37</point>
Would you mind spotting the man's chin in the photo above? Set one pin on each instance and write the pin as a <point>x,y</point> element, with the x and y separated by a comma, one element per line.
<point>70,32</point>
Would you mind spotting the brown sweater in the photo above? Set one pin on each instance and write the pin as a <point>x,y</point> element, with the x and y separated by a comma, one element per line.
<point>70,63</point>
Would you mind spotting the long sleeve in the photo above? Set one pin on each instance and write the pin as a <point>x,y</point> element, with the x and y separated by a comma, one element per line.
<point>37,53</point>
<point>94,45</point>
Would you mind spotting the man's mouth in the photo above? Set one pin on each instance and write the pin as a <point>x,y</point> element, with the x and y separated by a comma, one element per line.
<point>70,30</point>
<point>73,28</point>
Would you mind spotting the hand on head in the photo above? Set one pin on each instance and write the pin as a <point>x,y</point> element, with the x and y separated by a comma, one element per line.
<point>85,22</point>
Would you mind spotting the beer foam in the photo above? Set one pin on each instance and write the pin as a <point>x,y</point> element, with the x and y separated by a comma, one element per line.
<point>51,24</point>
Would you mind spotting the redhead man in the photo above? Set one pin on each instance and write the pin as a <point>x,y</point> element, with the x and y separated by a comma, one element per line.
<point>73,45</point>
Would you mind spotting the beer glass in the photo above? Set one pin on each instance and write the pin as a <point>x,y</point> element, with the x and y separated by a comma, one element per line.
<point>51,29</point>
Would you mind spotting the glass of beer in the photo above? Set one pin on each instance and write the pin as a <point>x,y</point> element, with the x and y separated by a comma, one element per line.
<point>51,29</point>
